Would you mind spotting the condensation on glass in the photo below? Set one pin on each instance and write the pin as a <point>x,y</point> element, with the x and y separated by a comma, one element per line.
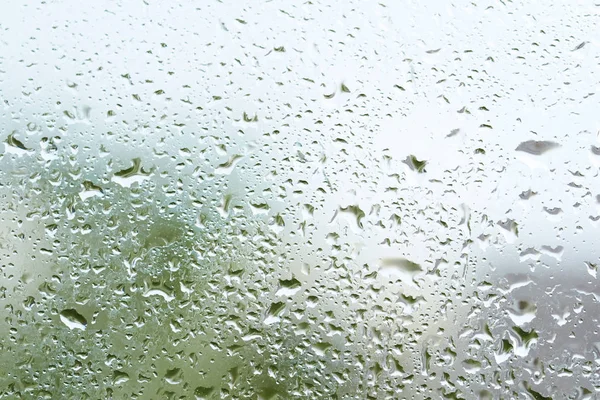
<point>299,200</point>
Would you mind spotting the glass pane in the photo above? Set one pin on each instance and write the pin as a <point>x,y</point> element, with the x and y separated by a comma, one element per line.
<point>299,200</point>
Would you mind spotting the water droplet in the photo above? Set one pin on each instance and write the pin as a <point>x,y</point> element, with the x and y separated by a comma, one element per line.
<point>73,320</point>
<point>399,268</point>
<point>131,175</point>
<point>537,147</point>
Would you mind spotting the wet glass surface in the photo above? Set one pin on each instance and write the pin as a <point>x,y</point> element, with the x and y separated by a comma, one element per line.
<point>299,200</point>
